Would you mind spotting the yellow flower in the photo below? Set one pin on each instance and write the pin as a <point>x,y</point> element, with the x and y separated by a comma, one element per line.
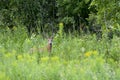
<point>44,59</point>
<point>87,54</point>
<point>20,57</point>
<point>55,58</point>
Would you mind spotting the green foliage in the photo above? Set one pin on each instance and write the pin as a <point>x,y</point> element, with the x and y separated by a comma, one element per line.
<point>32,14</point>
<point>73,58</point>
<point>36,14</point>
<point>71,12</point>
<point>107,12</point>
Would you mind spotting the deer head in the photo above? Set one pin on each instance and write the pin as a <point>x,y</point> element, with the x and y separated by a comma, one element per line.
<point>49,46</point>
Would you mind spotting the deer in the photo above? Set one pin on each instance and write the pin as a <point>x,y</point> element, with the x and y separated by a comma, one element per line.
<point>47,48</point>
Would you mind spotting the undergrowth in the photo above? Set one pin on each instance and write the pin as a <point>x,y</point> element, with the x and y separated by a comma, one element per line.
<point>72,58</point>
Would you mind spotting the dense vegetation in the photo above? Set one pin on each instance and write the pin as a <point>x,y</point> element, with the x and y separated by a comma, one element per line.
<point>85,44</point>
<point>72,58</point>
<point>44,15</point>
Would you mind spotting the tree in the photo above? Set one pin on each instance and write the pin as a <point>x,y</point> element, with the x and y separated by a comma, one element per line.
<point>73,12</point>
<point>41,14</point>
<point>107,12</point>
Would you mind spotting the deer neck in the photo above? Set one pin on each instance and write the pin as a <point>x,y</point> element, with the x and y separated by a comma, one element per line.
<point>49,47</point>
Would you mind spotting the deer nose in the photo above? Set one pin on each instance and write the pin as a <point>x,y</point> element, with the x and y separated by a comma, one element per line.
<point>50,43</point>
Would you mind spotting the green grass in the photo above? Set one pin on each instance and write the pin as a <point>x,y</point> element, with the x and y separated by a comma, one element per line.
<point>72,58</point>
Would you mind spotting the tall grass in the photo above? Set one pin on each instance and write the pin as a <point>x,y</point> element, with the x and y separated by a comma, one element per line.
<point>72,58</point>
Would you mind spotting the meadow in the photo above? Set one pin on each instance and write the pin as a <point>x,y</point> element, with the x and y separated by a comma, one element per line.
<point>72,57</point>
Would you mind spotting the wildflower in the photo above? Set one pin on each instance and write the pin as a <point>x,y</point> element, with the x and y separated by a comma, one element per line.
<point>55,58</point>
<point>44,59</point>
<point>20,57</point>
<point>87,54</point>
